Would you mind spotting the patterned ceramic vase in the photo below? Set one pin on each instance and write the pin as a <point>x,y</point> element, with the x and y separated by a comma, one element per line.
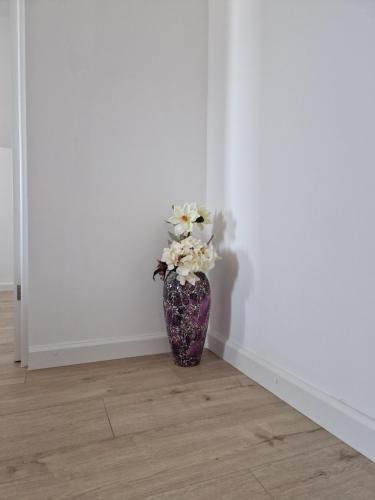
<point>187,310</point>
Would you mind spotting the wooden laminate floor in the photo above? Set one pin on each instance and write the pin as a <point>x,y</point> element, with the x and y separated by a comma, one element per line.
<point>142,428</point>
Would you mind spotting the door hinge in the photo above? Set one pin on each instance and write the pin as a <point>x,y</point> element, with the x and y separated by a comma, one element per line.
<point>18,292</point>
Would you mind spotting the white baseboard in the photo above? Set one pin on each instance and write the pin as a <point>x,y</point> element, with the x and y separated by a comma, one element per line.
<point>346,423</point>
<point>6,287</point>
<point>71,353</point>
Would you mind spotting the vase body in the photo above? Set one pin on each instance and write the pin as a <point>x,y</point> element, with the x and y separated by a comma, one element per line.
<point>186,311</point>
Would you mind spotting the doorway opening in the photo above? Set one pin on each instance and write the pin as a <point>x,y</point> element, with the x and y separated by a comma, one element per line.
<point>13,220</point>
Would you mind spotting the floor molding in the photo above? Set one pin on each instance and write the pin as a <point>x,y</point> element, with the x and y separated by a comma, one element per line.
<point>346,423</point>
<point>6,287</point>
<point>71,353</point>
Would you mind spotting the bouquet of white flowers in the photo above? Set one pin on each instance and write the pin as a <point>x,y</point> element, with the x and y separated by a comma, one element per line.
<point>187,255</point>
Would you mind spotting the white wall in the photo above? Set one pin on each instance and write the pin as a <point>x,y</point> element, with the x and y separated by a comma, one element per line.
<point>298,192</point>
<point>116,110</point>
<point>5,77</point>
<point>6,219</point>
<point>6,169</point>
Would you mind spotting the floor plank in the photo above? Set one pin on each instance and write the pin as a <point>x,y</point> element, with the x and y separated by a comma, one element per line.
<point>250,437</point>
<point>238,486</point>
<point>145,429</point>
<point>52,428</point>
<point>119,469</point>
<point>10,373</point>
<point>96,381</point>
<point>175,405</point>
<point>76,471</point>
<point>334,473</point>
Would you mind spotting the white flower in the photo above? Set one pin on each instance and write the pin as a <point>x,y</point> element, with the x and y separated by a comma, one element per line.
<point>171,255</point>
<point>189,256</point>
<point>183,276</point>
<point>183,218</point>
<point>190,243</point>
<point>204,214</point>
<point>209,258</point>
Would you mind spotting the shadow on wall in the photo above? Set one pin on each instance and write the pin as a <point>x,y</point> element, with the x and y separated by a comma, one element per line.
<point>232,282</point>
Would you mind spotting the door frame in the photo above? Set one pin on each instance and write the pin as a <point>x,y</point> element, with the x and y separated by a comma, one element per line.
<point>17,19</point>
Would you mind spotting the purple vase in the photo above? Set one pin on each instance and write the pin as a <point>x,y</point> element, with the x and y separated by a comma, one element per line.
<point>187,310</point>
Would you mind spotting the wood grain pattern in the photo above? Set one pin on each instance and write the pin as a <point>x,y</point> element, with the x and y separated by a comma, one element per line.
<point>10,372</point>
<point>233,486</point>
<point>179,404</point>
<point>337,472</point>
<point>54,427</point>
<point>144,429</point>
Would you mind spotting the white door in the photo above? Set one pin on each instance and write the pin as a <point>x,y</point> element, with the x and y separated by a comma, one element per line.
<point>17,18</point>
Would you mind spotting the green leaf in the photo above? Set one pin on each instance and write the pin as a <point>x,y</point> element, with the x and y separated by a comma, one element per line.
<point>173,237</point>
